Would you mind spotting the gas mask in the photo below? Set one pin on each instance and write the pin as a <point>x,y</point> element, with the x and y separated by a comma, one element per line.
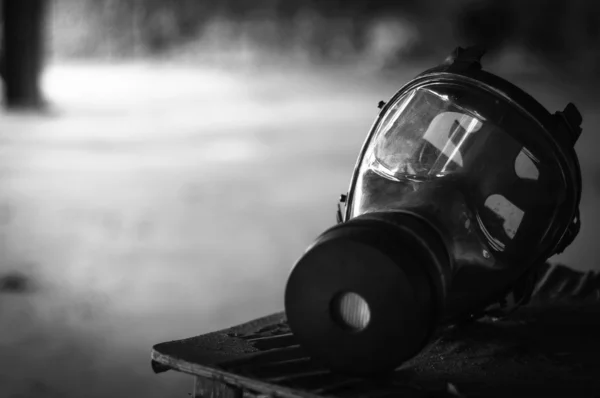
<point>463,184</point>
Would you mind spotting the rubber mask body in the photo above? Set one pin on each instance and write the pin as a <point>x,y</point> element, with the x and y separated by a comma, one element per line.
<point>485,191</point>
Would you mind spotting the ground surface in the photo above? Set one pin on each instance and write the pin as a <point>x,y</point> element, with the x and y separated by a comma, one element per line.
<point>161,202</point>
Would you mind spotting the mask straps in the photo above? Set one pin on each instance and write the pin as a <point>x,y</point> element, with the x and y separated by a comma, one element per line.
<point>520,294</point>
<point>546,283</point>
<point>465,58</point>
<point>340,213</point>
<point>570,235</point>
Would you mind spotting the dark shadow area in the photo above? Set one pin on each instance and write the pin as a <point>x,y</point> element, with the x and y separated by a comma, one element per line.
<point>15,283</point>
<point>542,350</point>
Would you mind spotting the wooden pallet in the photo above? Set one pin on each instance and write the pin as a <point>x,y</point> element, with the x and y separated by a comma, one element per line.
<point>549,350</point>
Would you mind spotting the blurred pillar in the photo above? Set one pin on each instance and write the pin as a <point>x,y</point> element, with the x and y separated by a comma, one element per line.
<point>23,52</point>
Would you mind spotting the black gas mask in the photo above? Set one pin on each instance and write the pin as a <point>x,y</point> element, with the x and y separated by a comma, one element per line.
<point>463,184</point>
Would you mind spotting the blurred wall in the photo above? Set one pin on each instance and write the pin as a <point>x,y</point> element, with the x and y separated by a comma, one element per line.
<point>564,33</point>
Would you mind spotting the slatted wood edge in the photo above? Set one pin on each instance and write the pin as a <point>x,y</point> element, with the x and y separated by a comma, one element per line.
<point>231,379</point>
<point>262,358</point>
<point>207,388</point>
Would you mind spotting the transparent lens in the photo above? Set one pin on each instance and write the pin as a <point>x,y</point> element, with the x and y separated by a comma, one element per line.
<point>351,311</point>
<point>459,154</point>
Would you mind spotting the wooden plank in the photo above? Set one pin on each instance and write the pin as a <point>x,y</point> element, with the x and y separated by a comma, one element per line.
<point>537,351</point>
<point>278,368</point>
<point>276,341</point>
<point>232,379</point>
<point>228,345</point>
<point>269,356</point>
<point>210,388</point>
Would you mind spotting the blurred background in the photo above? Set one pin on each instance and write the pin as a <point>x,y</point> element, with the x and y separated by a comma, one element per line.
<point>163,163</point>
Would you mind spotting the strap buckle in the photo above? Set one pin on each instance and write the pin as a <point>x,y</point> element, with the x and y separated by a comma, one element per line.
<point>465,58</point>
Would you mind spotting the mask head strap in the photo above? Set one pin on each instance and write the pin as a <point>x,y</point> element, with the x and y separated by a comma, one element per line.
<point>465,58</point>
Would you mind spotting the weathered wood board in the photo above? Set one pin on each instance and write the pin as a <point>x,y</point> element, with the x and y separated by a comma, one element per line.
<point>541,350</point>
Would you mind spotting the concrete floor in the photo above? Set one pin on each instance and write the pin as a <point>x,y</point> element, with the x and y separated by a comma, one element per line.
<point>161,202</point>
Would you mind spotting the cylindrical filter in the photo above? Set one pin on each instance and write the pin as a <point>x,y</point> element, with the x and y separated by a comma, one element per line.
<point>368,294</point>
